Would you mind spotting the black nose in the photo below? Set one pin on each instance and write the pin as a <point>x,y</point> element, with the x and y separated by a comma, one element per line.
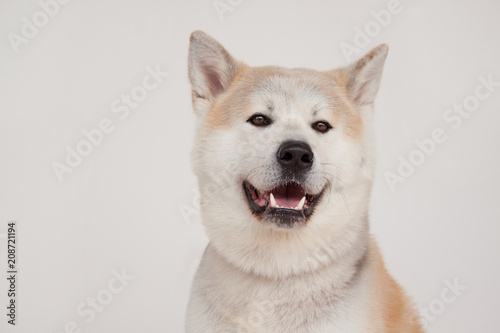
<point>295,156</point>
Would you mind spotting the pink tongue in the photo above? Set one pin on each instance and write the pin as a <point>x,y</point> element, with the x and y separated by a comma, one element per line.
<point>288,195</point>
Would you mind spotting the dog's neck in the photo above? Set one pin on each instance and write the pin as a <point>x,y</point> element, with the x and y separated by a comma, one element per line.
<point>344,255</point>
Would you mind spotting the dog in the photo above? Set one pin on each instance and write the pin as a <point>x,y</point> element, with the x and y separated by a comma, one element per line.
<point>285,165</point>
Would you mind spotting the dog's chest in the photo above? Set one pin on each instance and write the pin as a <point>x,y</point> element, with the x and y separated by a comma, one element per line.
<point>298,307</point>
<point>233,302</point>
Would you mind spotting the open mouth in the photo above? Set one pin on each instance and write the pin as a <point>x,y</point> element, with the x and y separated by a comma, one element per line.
<point>285,204</point>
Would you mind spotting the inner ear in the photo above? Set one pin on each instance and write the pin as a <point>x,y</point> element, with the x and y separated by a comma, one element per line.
<point>211,70</point>
<point>365,74</point>
<point>213,80</point>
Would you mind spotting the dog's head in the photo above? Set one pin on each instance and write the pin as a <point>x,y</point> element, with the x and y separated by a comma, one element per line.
<point>283,156</point>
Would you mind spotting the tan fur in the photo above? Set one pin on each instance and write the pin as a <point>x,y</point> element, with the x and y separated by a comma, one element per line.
<point>219,116</point>
<point>389,302</point>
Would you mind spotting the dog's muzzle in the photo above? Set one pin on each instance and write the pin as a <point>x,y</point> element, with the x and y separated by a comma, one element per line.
<point>288,203</point>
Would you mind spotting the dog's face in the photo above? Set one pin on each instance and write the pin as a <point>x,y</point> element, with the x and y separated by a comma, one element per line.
<point>282,155</point>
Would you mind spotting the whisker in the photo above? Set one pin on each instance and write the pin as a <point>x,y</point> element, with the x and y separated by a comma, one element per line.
<point>204,148</point>
<point>342,194</point>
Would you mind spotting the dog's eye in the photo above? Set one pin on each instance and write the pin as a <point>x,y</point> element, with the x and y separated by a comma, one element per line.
<point>259,120</point>
<point>321,126</point>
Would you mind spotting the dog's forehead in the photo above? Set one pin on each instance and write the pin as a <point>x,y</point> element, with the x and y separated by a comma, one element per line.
<point>276,86</point>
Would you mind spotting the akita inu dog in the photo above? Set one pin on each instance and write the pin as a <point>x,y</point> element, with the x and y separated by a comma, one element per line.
<point>284,160</point>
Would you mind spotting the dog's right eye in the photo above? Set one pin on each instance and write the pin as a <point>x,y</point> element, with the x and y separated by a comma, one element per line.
<point>259,120</point>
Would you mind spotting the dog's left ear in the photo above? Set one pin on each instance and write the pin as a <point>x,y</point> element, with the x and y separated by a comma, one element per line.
<point>211,70</point>
<point>363,76</point>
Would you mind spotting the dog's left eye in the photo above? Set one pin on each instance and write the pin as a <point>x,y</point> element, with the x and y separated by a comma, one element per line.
<point>259,120</point>
<point>321,126</point>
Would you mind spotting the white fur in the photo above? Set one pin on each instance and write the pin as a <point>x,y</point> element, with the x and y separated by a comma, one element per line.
<point>255,277</point>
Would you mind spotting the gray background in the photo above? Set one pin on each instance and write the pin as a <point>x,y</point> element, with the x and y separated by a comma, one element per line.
<point>122,207</point>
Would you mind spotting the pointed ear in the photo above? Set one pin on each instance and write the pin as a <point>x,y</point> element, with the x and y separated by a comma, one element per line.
<point>363,76</point>
<point>211,69</point>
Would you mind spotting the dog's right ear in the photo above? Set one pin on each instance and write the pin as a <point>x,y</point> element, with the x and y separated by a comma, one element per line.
<point>211,69</point>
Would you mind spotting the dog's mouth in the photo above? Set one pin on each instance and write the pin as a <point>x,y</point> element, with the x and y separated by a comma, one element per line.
<point>285,204</point>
